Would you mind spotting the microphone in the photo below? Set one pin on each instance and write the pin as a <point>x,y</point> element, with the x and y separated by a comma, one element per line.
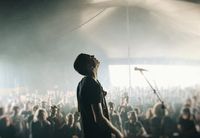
<point>140,69</point>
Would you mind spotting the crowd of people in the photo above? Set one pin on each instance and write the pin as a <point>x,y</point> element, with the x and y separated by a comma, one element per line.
<point>138,114</point>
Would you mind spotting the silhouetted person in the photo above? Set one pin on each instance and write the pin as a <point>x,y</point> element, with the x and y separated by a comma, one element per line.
<point>69,130</point>
<point>133,127</point>
<point>7,130</point>
<point>53,119</point>
<point>186,124</point>
<point>18,122</point>
<point>91,100</point>
<point>114,116</point>
<point>41,128</point>
<point>156,121</point>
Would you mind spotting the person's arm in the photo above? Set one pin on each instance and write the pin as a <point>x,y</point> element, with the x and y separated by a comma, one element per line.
<point>125,131</point>
<point>119,122</point>
<point>101,119</point>
<point>142,131</point>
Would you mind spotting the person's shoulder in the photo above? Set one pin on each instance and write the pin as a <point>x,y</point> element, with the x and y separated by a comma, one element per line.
<point>87,81</point>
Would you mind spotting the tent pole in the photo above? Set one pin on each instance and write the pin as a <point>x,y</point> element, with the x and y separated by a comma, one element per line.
<point>128,44</point>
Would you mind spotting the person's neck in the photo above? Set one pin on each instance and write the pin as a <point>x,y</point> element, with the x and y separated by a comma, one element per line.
<point>94,75</point>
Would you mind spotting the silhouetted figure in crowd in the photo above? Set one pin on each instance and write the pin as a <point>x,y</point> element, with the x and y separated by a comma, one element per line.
<point>133,127</point>
<point>42,127</point>
<point>161,125</point>
<point>114,116</point>
<point>139,114</point>
<point>124,108</point>
<point>146,121</point>
<point>77,123</point>
<point>69,129</point>
<point>44,105</point>
<point>53,119</point>
<point>155,121</point>
<point>31,117</point>
<point>168,126</point>
<point>197,121</point>
<point>27,112</point>
<point>18,122</point>
<point>59,123</point>
<point>91,100</point>
<point>186,124</point>
<point>6,128</point>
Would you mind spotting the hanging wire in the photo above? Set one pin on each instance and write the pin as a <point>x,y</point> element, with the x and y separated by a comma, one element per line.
<point>89,20</point>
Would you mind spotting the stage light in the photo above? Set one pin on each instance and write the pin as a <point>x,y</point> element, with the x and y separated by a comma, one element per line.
<point>161,75</point>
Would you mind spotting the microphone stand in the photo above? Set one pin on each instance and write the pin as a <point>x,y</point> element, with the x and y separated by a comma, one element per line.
<point>154,91</point>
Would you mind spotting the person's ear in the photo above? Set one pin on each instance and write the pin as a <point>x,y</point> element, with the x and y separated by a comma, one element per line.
<point>90,68</point>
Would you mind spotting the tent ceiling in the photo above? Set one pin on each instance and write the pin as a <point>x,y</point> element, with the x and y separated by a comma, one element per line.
<point>156,28</point>
<point>40,39</point>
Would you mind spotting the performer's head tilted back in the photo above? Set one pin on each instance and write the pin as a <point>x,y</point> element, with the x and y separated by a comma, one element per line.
<point>86,64</point>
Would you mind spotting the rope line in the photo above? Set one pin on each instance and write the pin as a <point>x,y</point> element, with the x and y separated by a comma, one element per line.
<point>88,21</point>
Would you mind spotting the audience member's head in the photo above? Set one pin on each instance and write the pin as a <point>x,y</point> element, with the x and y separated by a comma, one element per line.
<point>76,116</point>
<point>54,110</point>
<point>5,121</point>
<point>188,103</point>
<point>137,110</point>
<point>42,115</point>
<point>28,106</point>
<point>35,108</point>
<point>16,110</point>
<point>111,106</point>
<point>132,115</point>
<point>149,113</point>
<point>70,119</point>
<point>44,104</point>
<point>159,110</point>
<point>186,113</point>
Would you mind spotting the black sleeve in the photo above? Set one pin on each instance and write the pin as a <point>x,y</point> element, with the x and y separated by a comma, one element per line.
<point>93,91</point>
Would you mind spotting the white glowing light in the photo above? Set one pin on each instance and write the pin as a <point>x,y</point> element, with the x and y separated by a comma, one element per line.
<point>161,75</point>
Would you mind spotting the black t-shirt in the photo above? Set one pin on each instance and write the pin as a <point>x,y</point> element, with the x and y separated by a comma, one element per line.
<point>155,126</point>
<point>133,129</point>
<point>41,130</point>
<point>188,129</point>
<point>90,92</point>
